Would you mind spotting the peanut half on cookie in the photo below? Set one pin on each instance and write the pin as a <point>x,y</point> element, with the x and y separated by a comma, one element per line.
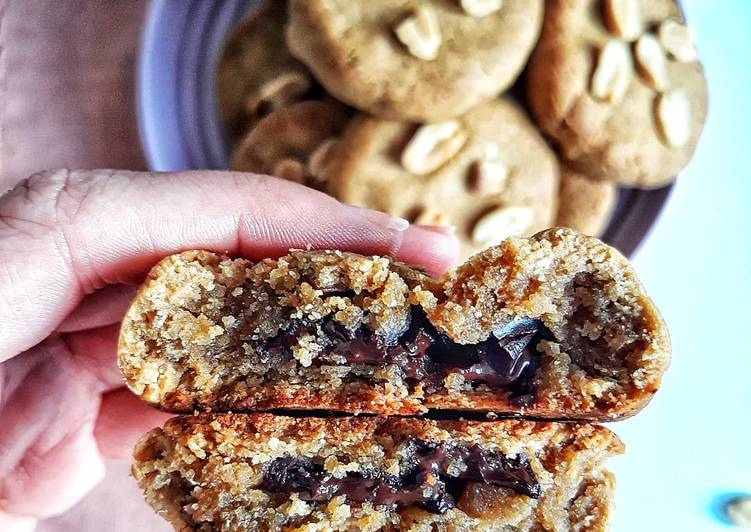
<point>265,472</point>
<point>554,326</point>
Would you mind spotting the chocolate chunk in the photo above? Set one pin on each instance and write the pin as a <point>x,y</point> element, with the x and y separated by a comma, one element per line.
<point>480,465</point>
<point>339,292</point>
<point>507,359</point>
<point>364,347</point>
<point>517,327</point>
<point>499,470</point>
<point>312,483</point>
<point>427,483</point>
<point>288,474</point>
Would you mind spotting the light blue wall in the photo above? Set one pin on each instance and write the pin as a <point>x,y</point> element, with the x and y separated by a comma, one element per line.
<point>693,444</point>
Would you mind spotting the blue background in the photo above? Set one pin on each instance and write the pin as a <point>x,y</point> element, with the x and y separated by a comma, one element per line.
<point>692,446</point>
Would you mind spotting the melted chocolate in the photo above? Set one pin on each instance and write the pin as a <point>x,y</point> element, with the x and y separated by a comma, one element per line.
<point>427,483</point>
<point>507,359</point>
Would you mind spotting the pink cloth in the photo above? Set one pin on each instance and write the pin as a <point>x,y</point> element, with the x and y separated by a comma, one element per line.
<point>66,100</point>
<point>66,85</point>
<point>116,505</point>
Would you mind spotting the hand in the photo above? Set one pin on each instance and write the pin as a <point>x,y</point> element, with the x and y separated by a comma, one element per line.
<point>71,246</point>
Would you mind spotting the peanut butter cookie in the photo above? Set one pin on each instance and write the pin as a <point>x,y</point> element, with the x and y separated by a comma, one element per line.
<point>554,326</point>
<point>256,72</point>
<point>285,142</point>
<point>489,173</point>
<point>236,472</point>
<point>585,204</point>
<point>414,60</point>
<point>617,84</point>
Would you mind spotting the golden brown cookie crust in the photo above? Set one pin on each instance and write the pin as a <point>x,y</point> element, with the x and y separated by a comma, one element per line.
<point>367,170</point>
<point>351,48</point>
<point>584,204</point>
<point>203,473</point>
<point>255,55</point>
<point>616,142</point>
<point>189,339</point>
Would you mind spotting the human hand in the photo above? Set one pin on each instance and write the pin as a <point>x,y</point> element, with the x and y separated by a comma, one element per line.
<point>72,247</point>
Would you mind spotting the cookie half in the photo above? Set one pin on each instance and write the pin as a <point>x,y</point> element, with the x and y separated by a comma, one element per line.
<point>618,86</point>
<point>413,60</point>
<point>263,472</point>
<point>488,173</point>
<point>585,204</point>
<point>555,326</point>
<point>256,73</point>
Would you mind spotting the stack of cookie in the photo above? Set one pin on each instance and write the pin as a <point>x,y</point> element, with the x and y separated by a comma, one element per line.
<point>554,327</point>
<point>413,107</point>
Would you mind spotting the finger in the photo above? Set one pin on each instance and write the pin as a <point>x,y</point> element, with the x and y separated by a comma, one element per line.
<point>65,234</point>
<point>48,457</point>
<point>88,356</point>
<point>94,356</point>
<point>108,305</point>
<point>123,419</point>
<point>103,307</point>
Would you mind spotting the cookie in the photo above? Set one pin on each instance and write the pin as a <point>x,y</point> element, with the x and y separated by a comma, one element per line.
<point>555,326</point>
<point>618,86</point>
<point>263,472</point>
<point>489,173</point>
<point>256,73</point>
<point>585,204</point>
<point>414,60</point>
<point>282,142</point>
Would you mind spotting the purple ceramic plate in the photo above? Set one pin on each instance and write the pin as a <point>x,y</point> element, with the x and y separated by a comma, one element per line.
<point>179,120</point>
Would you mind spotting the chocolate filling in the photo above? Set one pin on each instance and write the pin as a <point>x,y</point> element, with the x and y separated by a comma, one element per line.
<point>434,480</point>
<point>506,359</point>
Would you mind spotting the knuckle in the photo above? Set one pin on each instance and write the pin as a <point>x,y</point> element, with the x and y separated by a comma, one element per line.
<point>25,210</point>
<point>50,199</point>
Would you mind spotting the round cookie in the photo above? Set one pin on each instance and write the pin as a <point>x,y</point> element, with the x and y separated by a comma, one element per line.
<point>585,204</point>
<point>489,173</point>
<point>256,72</point>
<point>282,142</point>
<point>617,85</point>
<point>414,60</point>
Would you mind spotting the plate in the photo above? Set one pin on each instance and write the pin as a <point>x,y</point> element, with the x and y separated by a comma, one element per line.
<point>178,114</point>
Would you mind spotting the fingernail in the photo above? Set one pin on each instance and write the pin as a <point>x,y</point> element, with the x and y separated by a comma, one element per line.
<point>398,224</point>
<point>448,230</point>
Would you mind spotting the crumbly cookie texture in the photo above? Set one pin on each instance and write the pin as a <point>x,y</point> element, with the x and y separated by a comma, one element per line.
<point>619,88</point>
<point>207,472</point>
<point>489,173</point>
<point>283,143</point>
<point>256,73</point>
<point>554,326</point>
<point>418,61</point>
<point>585,204</point>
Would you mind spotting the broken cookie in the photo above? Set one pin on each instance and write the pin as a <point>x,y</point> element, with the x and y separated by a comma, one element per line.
<point>266,472</point>
<point>554,326</point>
